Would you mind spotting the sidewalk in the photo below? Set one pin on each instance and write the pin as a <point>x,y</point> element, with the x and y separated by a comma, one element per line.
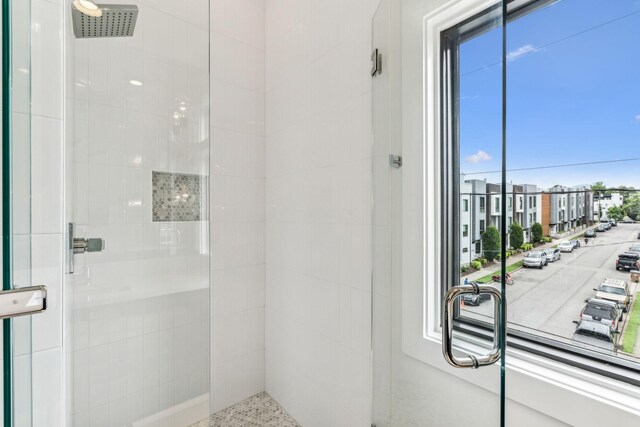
<point>515,258</point>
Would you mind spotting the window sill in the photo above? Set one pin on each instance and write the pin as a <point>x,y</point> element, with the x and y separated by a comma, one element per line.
<point>540,383</point>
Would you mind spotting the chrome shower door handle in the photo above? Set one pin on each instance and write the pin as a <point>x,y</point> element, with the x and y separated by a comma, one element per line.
<point>470,361</point>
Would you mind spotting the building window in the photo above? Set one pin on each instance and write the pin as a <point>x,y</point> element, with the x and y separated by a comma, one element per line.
<point>465,250</point>
<point>520,203</point>
<point>465,52</point>
<point>465,205</point>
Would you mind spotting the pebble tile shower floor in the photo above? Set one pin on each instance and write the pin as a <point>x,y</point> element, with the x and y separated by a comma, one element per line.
<point>257,411</point>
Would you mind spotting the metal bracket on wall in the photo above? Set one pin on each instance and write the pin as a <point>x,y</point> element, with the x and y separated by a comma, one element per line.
<point>376,63</point>
<point>395,161</point>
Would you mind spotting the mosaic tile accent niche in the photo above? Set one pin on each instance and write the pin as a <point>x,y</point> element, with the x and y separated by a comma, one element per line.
<point>178,196</point>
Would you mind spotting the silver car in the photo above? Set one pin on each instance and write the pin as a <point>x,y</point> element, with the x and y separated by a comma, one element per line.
<point>552,254</point>
<point>535,259</point>
<point>595,334</point>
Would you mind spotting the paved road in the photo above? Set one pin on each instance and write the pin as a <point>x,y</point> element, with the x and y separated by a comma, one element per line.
<point>550,299</point>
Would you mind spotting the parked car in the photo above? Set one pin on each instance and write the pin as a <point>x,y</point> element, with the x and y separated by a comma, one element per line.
<point>553,255</point>
<point>602,311</point>
<point>615,290</point>
<point>575,243</point>
<point>601,228</point>
<point>473,299</point>
<point>606,225</point>
<point>595,334</point>
<point>535,259</point>
<point>606,302</point>
<point>613,223</point>
<point>628,261</point>
<point>634,248</point>
<point>565,246</point>
<point>638,235</point>
<point>592,233</point>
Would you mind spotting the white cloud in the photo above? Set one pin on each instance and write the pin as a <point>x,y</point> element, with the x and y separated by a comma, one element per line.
<point>480,156</point>
<point>521,51</point>
<point>637,118</point>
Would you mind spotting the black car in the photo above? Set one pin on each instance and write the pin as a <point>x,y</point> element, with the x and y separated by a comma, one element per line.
<point>591,233</point>
<point>628,261</point>
<point>601,228</point>
<point>473,299</point>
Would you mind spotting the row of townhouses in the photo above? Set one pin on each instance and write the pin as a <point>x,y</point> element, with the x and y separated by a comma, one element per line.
<point>557,209</point>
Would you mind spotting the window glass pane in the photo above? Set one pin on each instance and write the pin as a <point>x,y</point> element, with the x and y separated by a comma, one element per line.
<point>572,159</point>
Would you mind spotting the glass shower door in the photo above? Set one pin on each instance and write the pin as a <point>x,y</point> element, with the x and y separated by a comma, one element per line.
<point>16,210</point>
<point>424,298</point>
<point>137,207</point>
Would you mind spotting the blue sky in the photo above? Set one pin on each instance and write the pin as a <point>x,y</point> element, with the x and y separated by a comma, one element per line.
<point>573,95</point>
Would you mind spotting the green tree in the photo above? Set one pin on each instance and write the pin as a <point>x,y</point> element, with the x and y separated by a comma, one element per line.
<point>491,243</point>
<point>600,187</point>
<point>631,206</point>
<point>536,233</point>
<point>516,238</point>
<point>615,212</point>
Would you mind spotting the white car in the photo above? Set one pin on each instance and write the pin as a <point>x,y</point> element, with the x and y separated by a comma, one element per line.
<point>565,246</point>
<point>553,255</point>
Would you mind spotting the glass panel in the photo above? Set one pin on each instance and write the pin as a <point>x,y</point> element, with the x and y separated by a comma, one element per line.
<point>139,150</point>
<point>470,101</point>
<point>382,236</point>
<point>573,130</point>
<point>16,202</point>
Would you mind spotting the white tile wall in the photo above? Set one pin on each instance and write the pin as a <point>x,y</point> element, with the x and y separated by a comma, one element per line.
<point>47,208</point>
<point>318,209</point>
<point>237,195</point>
<point>138,312</point>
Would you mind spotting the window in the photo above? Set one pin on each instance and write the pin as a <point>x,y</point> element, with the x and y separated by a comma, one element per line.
<point>465,230</point>
<point>465,205</point>
<point>476,72</point>
<point>520,203</point>
<point>465,250</point>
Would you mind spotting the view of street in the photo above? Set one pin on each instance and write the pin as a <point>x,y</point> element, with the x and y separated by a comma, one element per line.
<point>549,300</point>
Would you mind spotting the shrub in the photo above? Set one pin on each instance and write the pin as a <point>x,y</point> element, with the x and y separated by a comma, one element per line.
<point>536,232</point>
<point>491,243</point>
<point>526,247</point>
<point>546,239</point>
<point>516,235</point>
<point>476,264</point>
<point>464,268</point>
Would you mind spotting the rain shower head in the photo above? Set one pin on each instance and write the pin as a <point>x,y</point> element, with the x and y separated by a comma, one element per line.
<point>117,20</point>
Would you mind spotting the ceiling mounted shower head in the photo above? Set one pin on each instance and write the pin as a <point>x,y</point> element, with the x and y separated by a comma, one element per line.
<point>115,20</point>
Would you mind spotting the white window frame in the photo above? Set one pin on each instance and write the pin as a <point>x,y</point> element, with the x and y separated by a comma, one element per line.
<point>596,396</point>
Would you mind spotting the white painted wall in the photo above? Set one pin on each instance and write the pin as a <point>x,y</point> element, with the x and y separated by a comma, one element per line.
<point>318,209</point>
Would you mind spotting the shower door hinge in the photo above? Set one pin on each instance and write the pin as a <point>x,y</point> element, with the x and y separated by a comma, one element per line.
<point>395,161</point>
<point>376,62</point>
